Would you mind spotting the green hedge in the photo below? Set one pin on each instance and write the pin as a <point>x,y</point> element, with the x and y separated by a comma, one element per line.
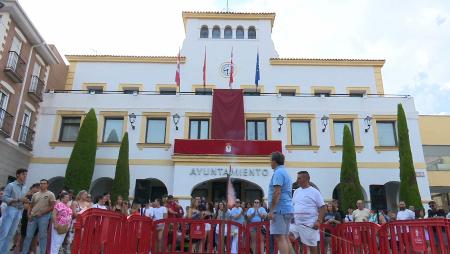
<point>121,183</point>
<point>80,167</point>
<point>409,191</point>
<point>349,187</point>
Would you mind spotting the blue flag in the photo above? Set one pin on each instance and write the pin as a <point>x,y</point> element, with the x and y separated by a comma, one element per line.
<point>257,77</point>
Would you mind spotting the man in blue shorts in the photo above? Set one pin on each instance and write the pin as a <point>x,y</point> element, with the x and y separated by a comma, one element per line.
<point>280,203</point>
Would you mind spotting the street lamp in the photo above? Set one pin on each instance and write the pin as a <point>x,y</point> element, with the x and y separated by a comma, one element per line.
<point>367,121</point>
<point>280,120</point>
<point>132,119</point>
<point>324,121</point>
<point>176,119</point>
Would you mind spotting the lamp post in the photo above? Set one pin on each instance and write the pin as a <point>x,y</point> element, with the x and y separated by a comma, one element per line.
<point>367,121</point>
<point>132,119</point>
<point>280,120</point>
<point>176,119</point>
<point>324,121</point>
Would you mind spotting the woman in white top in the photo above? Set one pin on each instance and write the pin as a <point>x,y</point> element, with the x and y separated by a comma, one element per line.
<point>79,205</point>
<point>101,203</point>
<point>349,215</point>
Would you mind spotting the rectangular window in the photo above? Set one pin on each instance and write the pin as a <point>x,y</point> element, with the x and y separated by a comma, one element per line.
<point>4,97</point>
<point>25,128</point>
<point>70,126</point>
<point>339,130</point>
<point>256,130</point>
<point>156,131</point>
<point>203,91</point>
<point>357,94</point>
<point>16,45</point>
<point>322,93</point>
<point>199,129</point>
<point>248,92</point>
<point>112,131</point>
<point>386,133</point>
<point>300,133</point>
<point>95,90</point>
<point>287,92</point>
<point>131,90</point>
<point>168,91</point>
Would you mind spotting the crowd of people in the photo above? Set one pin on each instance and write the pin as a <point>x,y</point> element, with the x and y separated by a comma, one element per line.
<point>26,214</point>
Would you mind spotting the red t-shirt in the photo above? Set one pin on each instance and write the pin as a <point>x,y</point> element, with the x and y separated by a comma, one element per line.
<point>172,206</point>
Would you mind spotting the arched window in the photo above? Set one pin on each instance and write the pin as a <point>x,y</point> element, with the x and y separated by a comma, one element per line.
<point>216,32</point>
<point>239,32</point>
<point>228,32</point>
<point>252,32</point>
<point>204,32</point>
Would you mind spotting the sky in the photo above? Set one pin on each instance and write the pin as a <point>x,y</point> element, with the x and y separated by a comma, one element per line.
<point>412,35</point>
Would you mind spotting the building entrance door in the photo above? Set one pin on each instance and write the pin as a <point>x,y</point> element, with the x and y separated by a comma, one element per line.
<point>216,190</point>
<point>148,189</point>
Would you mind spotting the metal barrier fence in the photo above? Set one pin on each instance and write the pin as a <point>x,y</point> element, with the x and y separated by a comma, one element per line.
<point>100,231</point>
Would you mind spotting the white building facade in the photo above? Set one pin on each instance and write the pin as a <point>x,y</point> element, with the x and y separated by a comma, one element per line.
<point>302,91</point>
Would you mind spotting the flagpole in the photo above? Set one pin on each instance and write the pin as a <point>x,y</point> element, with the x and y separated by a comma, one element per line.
<point>257,64</point>
<point>228,179</point>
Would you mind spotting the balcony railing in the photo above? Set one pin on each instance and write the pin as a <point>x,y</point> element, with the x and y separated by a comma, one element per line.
<point>15,67</point>
<point>36,88</point>
<point>290,95</point>
<point>6,123</point>
<point>26,137</point>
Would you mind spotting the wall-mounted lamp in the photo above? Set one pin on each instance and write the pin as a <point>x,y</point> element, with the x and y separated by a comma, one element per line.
<point>176,119</point>
<point>280,120</point>
<point>324,121</point>
<point>367,121</point>
<point>132,119</point>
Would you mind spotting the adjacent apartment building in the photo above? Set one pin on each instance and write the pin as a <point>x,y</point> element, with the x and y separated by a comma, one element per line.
<point>28,66</point>
<point>435,134</point>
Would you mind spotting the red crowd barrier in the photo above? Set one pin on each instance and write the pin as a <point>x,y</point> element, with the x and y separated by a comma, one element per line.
<point>207,236</point>
<point>100,231</point>
<point>139,233</point>
<point>416,236</point>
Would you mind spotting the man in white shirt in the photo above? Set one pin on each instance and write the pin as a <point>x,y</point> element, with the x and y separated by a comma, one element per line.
<point>404,213</point>
<point>361,214</point>
<point>158,213</point>
<point>147,210</point>
<point>309,211</point>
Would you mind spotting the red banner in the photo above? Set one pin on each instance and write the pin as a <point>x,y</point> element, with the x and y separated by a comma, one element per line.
<point>228,121</point>
<point>226,147</point>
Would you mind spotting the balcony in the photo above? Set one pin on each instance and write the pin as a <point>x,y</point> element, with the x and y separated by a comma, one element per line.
<point>6,123</point>
<point>36,88</point>
<point>15,67</point>
<point>26,137</point>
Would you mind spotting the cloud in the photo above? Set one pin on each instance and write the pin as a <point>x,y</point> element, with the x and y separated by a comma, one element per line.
<point>413,37</point>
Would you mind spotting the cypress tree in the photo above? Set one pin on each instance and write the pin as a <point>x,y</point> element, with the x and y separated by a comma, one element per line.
<point>349,187</point>
<point>121,183</point>
<point>409,191</point>
<point>80,167</point>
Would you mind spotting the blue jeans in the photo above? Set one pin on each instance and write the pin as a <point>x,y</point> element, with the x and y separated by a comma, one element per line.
<point>42,223</point>
<point>10,221</point>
